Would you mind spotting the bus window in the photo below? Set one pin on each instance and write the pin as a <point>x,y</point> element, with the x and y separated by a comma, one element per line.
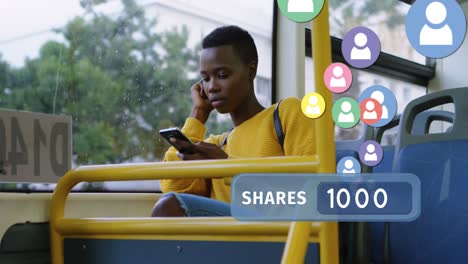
<point>386,18</point>
<point>121,69</point>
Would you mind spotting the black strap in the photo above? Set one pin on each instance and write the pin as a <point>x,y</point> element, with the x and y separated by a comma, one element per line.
<point>278,127</point>
<point>225,138</point>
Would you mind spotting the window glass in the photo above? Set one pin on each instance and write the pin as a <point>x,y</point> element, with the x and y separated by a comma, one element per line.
<point>121,69</point>
<point>385,17</point>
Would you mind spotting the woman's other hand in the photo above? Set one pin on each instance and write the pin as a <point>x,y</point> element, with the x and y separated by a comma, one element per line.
<point>201,106</point>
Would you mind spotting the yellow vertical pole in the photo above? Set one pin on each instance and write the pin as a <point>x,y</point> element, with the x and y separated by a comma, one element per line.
<point>321,54</point>
<point>296,245</point>
<point>56,245</point>
<point>57,212</point>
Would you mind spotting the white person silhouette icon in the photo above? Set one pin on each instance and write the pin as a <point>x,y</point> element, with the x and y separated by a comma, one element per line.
<point>296,6</point>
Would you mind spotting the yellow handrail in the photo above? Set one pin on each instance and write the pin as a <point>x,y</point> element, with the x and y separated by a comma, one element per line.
<point>173,226</point>
<point>296,245</point>
<point>152,171</point>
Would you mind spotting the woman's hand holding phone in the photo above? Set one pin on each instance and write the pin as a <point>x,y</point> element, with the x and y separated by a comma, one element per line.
<point>201,106</point>
<point>187,150</point>
<point>198,151</point>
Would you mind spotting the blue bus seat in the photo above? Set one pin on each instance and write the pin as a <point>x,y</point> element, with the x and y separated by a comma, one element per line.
<point>421,125</point>
<point>439,235</point>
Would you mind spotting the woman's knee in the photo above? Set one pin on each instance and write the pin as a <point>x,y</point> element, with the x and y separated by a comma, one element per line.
<point>167,206</point>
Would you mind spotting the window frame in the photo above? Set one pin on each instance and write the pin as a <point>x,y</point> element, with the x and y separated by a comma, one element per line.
<point>387,64</point>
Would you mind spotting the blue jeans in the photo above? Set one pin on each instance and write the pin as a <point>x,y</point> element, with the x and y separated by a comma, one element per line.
<point>194,205</point>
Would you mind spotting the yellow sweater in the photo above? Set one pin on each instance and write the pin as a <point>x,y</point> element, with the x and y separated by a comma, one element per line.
<point>255,137</point>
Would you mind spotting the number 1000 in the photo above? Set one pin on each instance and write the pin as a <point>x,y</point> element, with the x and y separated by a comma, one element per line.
<point>361,198</point>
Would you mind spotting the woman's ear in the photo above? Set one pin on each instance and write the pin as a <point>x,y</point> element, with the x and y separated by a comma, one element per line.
<point>252,70</point>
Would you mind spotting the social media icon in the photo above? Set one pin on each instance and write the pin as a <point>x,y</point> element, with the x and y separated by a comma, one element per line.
<point>371,111</point>
<point>435,29</point>
<point>360,47</point>
<point>346,112</point>
<point>387,101</point>
<point>436,14</point>
<point>313,105</point>
<point>298,6</point>
<point>348,164</point>
<point>300,10</point>
<point>338,77</point>
<point>370,153</point>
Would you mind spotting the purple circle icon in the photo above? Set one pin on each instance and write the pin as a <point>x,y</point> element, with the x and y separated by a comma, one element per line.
<point>370,153</point>
<point>360,47</point>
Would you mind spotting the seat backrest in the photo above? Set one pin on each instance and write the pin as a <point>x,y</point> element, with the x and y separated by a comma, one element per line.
<point>440,161</point>
<point>26,243</point>
<point>423,120</point>
<point>421,125</point>
<point>26,237</point>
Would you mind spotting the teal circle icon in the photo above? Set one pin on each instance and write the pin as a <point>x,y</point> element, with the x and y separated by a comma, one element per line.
<point>435,29</point>
<point>300,10</point>
<point>346,112</point>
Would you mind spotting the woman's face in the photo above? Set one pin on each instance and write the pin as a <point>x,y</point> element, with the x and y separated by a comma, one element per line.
<point>226,78</point>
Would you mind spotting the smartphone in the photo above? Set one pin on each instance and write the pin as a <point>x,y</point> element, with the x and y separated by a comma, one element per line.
<point>175,132</point>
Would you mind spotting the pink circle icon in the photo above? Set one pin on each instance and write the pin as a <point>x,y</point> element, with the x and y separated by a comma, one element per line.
<point>338,77</point>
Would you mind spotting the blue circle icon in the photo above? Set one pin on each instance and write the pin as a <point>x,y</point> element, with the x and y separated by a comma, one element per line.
<point>348,164</point>
<point>386,98</point>
<point>435,29</point>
